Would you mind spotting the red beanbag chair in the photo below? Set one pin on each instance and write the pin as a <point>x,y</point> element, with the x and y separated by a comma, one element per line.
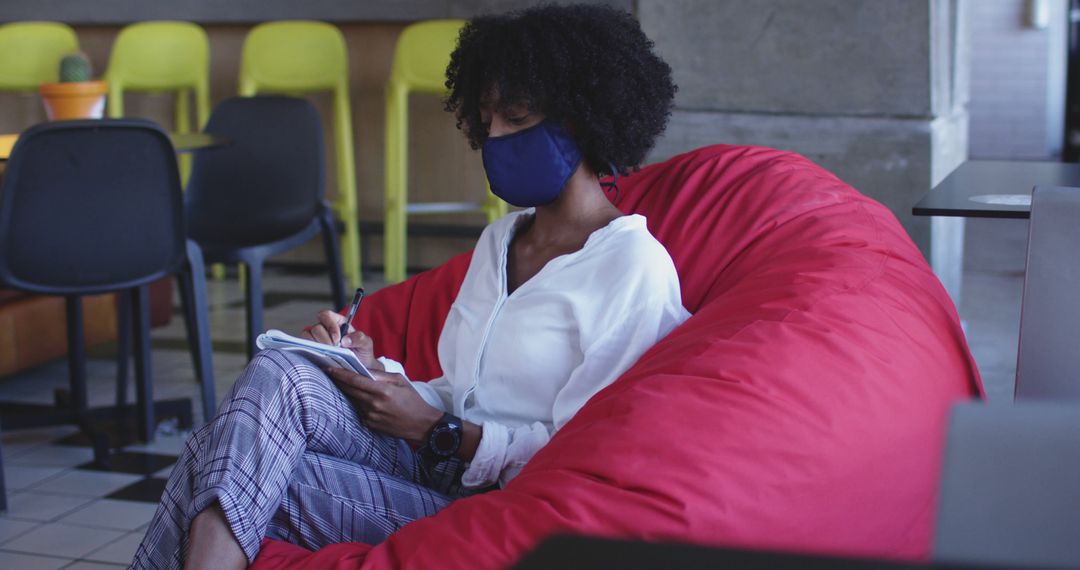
<point>801,408</point>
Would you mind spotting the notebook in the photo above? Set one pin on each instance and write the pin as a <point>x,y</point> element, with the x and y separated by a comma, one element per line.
<point>322,355</point>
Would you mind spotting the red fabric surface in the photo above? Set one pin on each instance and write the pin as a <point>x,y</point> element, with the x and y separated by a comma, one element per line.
<point>277,554</point>
<point>801,408</point>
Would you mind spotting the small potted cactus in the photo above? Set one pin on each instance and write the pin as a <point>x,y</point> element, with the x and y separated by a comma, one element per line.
<point>75,96</point>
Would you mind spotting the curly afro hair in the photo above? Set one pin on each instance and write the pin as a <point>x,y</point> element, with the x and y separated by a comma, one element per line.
<point>587,66</point>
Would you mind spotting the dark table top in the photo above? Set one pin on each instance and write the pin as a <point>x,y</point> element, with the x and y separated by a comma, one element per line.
<point>994,188</point>
<point>182,142</point>
<point>579,552</point>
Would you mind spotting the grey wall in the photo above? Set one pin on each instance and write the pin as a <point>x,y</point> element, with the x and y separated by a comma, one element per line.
<point>873,90</point>
<point>794,56</point>
<point>1017,80</point>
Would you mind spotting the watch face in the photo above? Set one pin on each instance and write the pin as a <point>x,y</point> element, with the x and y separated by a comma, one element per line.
<point>445,440</point>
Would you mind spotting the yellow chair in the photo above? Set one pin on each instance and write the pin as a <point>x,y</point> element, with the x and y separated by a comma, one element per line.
<point>30,53</point>
<point>296,57</point>
<point>420,60</point>
<point>159,57</point>
<point>162,57</point>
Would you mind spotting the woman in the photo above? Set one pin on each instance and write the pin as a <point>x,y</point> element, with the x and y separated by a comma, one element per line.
<point>559,300</point>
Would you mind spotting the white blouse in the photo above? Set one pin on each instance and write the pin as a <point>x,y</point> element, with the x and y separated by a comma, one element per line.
<point>521,365</point>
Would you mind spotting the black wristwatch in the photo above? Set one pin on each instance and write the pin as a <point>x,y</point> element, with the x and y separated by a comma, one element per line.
<point>445,438</point>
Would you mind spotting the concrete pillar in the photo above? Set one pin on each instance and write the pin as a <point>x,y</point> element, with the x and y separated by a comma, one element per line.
<point>873,90</point>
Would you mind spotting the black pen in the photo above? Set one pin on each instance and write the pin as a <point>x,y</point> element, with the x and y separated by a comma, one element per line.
<point>357,297</point>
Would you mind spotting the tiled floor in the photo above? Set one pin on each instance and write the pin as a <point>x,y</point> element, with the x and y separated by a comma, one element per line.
<point>61,512</point>
<point>64,514</point>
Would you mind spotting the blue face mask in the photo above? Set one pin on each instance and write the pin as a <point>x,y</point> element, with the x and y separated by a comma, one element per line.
<point>530,167</point>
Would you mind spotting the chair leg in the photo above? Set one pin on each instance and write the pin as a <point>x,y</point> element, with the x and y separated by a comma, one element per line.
<point>333,258</point>
<point>76,354</point>
<point>123,345</point>
<point>140,308</point>
<point>197,311</point>
<point>350,241</point>
<point>396,171</point>
<point>187,304</point>
<point>217,271</point>
<point>253,297</point>
<point>394,244</point>
<point>183,125</point>
<point>344,158</point>
<point>3,486</point>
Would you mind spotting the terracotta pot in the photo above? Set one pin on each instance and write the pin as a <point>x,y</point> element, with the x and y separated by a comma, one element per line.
<point>74,100</point>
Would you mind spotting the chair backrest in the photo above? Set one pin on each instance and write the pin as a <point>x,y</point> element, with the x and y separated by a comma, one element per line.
<point>293,57</point>
<point>1048,365</point>
<point>1010,489</point>
<point>30,53</point>
<point>268,182</point>
<point>90,206</point>
<point>160,56</point>
<point>422,54</point>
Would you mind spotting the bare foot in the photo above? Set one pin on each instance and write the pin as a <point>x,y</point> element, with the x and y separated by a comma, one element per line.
<point>211,543</point>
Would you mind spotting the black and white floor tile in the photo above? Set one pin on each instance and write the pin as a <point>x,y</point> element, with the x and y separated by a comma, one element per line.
<point>63,511</point>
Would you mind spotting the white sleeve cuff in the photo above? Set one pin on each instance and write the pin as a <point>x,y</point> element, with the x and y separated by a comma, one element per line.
<point>426,392</point>
<point>392,366</point>
<point>490,457</point>
<point>429,394</point>
<point>503,453</point>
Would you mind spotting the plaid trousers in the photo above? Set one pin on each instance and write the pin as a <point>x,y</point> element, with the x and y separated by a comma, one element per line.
<point>288,458</point>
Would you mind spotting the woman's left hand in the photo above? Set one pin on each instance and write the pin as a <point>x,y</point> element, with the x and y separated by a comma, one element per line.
<point>388,403</point>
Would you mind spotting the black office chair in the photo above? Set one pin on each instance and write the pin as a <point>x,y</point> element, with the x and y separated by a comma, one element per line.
<point>91,207</point>
<point>263,193</point>
<point>1010,489</point>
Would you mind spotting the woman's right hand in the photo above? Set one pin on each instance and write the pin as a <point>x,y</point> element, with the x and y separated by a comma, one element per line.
<point>328,331</point>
